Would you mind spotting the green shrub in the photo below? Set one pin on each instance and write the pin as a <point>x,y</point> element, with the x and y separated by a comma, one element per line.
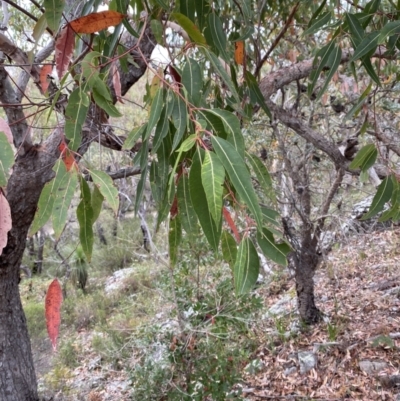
<point>35,317</point>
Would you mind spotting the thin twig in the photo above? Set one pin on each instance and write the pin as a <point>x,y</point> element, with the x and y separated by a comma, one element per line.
<point>277,39</point>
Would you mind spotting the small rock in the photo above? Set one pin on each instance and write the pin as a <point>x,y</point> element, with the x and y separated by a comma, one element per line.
<point>116,281</point>
<point>372,367</point>
<point>289,371</point>
<point>288,302</point>
<point>307,360</point>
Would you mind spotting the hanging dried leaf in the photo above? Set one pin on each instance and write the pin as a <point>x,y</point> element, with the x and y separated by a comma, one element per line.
<point>4,127</point>
<point>53,303</point>
<point>67,156</point>
<point>44,77</point>
<point>5,221</point>
<point>116,81</point>
<point>239,52</point>
<point>231,223</point>
<point>96,22</point>
<point>65,45</point>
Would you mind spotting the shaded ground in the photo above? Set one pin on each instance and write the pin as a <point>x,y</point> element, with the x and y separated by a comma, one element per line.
<point>357,348</point>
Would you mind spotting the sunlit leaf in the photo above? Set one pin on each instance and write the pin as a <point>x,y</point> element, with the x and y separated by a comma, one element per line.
<point>106,187</point>
<point>212,178</point>
<point>200,205</point>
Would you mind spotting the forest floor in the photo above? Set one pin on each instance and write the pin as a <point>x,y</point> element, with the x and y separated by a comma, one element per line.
<point>357,349</point>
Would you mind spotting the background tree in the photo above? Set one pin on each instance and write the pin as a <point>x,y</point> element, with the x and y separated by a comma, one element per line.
<point>193,146</point>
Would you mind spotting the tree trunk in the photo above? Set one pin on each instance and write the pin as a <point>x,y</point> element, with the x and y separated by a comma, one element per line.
<point>305,263</point>
<point>17,373</point>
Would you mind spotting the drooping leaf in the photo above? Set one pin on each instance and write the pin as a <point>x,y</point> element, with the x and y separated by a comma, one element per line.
<point>67,156</point>
<point>202,9</point>
<point>53,12</point>
<point>246,268</point>
<point>270,216</point>
<point>179,119</point>
<point>199,201</point>
<point>161,129</point>
<point>365,157</point>
<point>39,28</point>
<point>6,158</point>
<point>361,100</point>
<point>229,248</point>
<point>53,303</point>
<point>231,126</point>
<point>97,202</point>
<point>45,71</point>
<point>133,136</point>
<point>190,28</point>
<point>62,199</point>
<point>187,7</point>
<point>140,188</point>
<point>90,67</point>
<point>356,30</point>
<point>174,239</point>
<point>239,52</point>
<point>157,29</point>
<point>47,196</point>
<point>238,174</point>
<point>231,223</point>
<point>75,113</point>
<point>192,80</point>
<point>319,63</point>
<point>256,93</point>
<point>155,111</point>
<point>383,195</point>
<point>221,72</point>
<point>105,184</point>
<point>96,22</point>
<point>186,211</point>
<point>64,49</point>
<point>332,63</point>
<point>271,249</point>
<point>105,104</point>
<point>218,35</point>
<point>318,23</point>
<point>85,216</point>
<point>5,221</point>
<point>391,28</point>
<point>263,176</point>
<point>367,45</point>
<point>212,178</point>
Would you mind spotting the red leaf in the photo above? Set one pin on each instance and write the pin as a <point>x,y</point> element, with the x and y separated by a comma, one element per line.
<point>65,45</point>
<point>174,73</point>
<point>4,127</point>
<point>5,221</point>
<point>66,155</point>
<point>116,81</point>
<point>239,52</point>
<point>53,303</point>
<point>95,22</point>
<point>174,208</point>
<point>231,223</point>
<point>44,80</point>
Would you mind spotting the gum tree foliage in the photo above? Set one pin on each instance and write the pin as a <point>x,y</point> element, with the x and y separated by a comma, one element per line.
<point>230,64</point>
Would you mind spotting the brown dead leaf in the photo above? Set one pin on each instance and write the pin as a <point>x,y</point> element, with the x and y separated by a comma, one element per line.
<point>96,22</point>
